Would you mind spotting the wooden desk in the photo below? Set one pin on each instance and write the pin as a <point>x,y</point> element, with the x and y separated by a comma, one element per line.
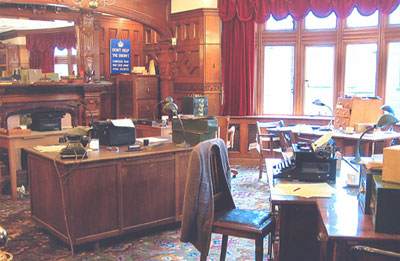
<point>15,143</point>
<point>347,142</point>
<point>323,228</point>
<point>109,193</point>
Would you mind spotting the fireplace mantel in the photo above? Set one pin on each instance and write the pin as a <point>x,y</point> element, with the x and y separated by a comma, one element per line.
<point>19,98</point>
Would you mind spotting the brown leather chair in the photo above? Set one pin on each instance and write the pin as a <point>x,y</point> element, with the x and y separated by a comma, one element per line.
<point>366,253</point>
<point>228,220</point>
<point>227,134</point>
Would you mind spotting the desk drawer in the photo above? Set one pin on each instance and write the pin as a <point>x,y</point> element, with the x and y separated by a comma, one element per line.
<point>145,108</point>
<point>342,112</point>
<point>342,122</point>
<point>147,88</point>
<point>345,102</point>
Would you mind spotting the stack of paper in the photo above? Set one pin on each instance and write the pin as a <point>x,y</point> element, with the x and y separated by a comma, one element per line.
<point>306,190</point>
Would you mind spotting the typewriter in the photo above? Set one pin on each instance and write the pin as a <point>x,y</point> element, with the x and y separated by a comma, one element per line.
<point>310,162</point>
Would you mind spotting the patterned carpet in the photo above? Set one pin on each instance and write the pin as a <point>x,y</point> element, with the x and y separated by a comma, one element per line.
<point>26,241</point>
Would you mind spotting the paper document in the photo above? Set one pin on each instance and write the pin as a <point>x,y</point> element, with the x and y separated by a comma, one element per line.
<point>306,190</point>
<point>50,148</point>
<point>123,123</point>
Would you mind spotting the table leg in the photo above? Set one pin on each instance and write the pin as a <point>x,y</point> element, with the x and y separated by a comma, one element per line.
<point>12,155</point>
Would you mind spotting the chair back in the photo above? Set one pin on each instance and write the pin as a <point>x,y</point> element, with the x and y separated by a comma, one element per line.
<point>223,127</point>
<point>220,189</point>
<point>267,139</point>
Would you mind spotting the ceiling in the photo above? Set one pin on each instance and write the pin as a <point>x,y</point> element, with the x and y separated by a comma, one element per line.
<point>8,24</point>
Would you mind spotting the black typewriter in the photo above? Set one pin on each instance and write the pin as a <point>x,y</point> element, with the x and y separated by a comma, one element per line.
<point>308,163</point>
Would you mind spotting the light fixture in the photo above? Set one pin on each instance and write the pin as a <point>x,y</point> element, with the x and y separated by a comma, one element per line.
<point>94,3</point>
<point>384,121</point>
<point>172,110</point>
<point>166,100</point>
<point>318,102</point>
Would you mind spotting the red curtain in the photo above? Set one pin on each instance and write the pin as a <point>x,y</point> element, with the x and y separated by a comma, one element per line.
<point>41,48</point>
<point>238,45</point>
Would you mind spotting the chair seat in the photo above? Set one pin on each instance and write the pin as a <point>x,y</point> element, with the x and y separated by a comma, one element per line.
<point>251,219</point>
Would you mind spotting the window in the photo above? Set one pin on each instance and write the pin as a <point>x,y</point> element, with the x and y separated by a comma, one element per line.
<point>319,77</point>
<point>327,58</point>
<point>315,23</point>
<point>393,77</point>
<point>357,20</point>
<point>65,61</point>
<point>286,24</point>
<point>278,83</point>
<point>360,76</point>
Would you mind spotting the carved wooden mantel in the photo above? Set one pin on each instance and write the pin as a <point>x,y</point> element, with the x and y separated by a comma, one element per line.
<point>23,98</point>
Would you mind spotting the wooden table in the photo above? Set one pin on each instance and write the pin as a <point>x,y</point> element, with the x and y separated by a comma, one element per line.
<point>14,144</point>
<point>347,142</point>
<point>323,228</point>
<point>109,193</point>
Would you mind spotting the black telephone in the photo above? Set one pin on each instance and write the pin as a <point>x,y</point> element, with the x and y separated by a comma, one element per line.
<point>74,148</point>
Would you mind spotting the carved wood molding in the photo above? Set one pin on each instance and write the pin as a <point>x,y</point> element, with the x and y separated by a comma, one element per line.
<point>197,87</point>
<point>141,11</point>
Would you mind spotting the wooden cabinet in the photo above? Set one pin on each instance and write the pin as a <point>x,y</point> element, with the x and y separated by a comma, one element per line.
<point>351,110</point>
<point>136,96</point>
<point>3,61</point>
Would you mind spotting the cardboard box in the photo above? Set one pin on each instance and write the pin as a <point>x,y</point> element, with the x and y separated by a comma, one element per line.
<point>391,164</point>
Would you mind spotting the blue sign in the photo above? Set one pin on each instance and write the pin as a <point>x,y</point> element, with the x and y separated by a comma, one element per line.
<point>120,56</point>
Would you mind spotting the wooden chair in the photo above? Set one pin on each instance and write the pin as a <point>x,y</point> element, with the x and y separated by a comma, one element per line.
<point>366,253</point>
<point>268,142</point>
<point>230,221</point>
<point>227,134</point>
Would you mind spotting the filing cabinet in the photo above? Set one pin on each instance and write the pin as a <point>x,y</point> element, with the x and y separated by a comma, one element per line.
<point>137,96</point>
<point>351,110</point>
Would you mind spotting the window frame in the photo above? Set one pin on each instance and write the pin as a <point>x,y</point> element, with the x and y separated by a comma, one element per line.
<point>339,38</point>
<point>70,59</point>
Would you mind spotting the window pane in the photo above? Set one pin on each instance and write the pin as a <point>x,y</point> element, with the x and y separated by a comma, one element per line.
<point>314,23</point>
<point>319,75</point>
<point>62,53</point>
<point>278,79</point>
<point>61,69</point>
<point>393,77</point>
<point>358,20</point>
<point>360,75</point>
<point>73,51</point>
<point>394,17</point>
<point>286,24</point>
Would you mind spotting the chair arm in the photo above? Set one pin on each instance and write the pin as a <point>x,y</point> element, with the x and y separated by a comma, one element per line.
<point>374,251</point>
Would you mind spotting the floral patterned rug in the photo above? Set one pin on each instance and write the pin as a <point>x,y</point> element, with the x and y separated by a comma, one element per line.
<point>26,241</point>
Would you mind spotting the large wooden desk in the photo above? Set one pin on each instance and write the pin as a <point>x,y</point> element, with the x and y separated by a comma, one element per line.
<point>347,142</point>
<point>15,143</point>
<point>109,193</point>
<point>323,228</point>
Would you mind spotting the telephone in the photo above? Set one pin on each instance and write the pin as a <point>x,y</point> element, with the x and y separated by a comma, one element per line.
<point>74,148</point>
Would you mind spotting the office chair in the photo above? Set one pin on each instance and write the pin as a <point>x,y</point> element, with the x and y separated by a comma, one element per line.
<point>366,253</point>
<point>209,207</point>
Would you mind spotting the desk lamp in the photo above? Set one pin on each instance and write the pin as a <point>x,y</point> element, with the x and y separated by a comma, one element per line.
<point>384,121</point>
<point>388,109</point>
<point>172,110</point>
<point>318,102</point>
<point>166,100</point>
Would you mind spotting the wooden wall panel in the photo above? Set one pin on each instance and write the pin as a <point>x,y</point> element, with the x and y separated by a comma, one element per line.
<point>198,56</point>
<point>119,28</point>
